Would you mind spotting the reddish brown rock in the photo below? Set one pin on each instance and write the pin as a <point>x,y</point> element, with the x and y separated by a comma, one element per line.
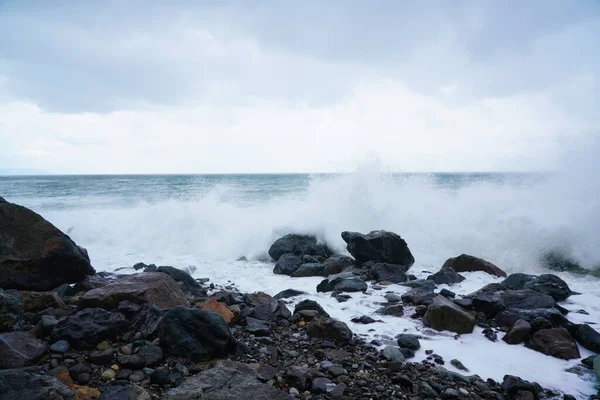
<point>219,308</point>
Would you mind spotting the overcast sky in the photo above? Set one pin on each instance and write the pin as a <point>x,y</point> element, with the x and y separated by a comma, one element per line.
<point>304,86</point>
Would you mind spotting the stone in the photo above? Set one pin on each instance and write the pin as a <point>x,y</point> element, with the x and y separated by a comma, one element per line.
<point>135,361</point>
<point>186,282</point>
<point>228,380</point>
<point>467,263</point>
<point>11,310</point>
<point>586,336</point>
<point>597,366</point>
<point>60,346</point>
<point>137,376</point>
<point>443,314</point>
<point>458,365</point>
<point>108,375</point>
<point>392,298</point>
<point>518,333</point>
<point>551,315</point>
<point>517,280</point>
<point>464,303</point>
<point>146,320</point>
<point>329,328</point>
<point>392,353</point>
<point>154,288</point>
<point>127,392</point>
<point>526,299</point>
<point>287,264</point>
<point>488,299</point>
<point>513,385</point>
<point>102,357</point>
<point>347,283</point>
<point>38,301</point>
<point>34,254</point>
<point>550,284</point>
<point>160,377</point>
<point>299,245</point>
<point>88,327</point>
<point>257,327</point>
<point>219,308</point>
<point>555,342</point>
<point>310,305</point>
<point>265,307</point>
<point>395,310</point>
<point>322,385</point>
<point>379,246</point>
<point>408,341</point>
<point>195,334</point>
<point>447,293</point>
<point>387,272</point>
<point>337,264</point>
<point>422,295</point>
<point>296,377</point>
<point>26,383</point>
<point>313,269</point>
<point>446,276</point>
<point>364,320</point>
<point>20,349</point>
<point>286,294</point>
<point>152,354</point>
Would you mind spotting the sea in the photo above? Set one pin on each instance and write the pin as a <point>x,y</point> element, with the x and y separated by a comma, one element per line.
<point>221,226</point>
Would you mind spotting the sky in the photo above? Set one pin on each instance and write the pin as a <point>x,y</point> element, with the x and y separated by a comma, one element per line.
<point>278,86</point>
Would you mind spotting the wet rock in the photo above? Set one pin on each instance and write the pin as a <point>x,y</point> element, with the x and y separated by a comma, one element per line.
<point>586,336</point>
<point>347,283</point>
<point>11,310</point>
<point>309,270</point>
<point>38,301</point>
<point>552,315</point>
<point>379,246</point>
<point>364,320</point>
<point>265,307</point>
<point>387,272</point>
<point>297,377</point>
<point>88,327</point>
<point>128,392</point>
<point>488,299</point>
<point>446,276</point>
<point>518,333</point>
<point>108,375</point>
<point>34,254</point>
<point>310,305</point>
<point>408,341</point>
<point>526,299</point>
<point>29,383</point>
<point>19,349</point>
<point>467,263</point>
<point>186,282</point>
<point>447,293</point>
<point>61,346</point>
<point>195,334</point>
<point>556,342</point>
<point>298,245</point>
<point>91,282</point>
<point>287,264</point>
<point>224,382</point>
<point>329,328</point>
<point>458,365</point>
<point>597,366</point>
<point>393,353</point>
<point>392,298</point>
<point>512,385</point>
<point>337,264</point>
<point>443,314</point>
<point>154,288</point>
<point>550,284</point>
<point>322,385</point>
<point>464,303</point>
<point>257,327</point>
<point>285,294</point>
<point>422,295</point>
<point>517,281</point>
<point>340,297</point>
<point>395,310</point>
<point>539,323</point>
<point>490,334</point>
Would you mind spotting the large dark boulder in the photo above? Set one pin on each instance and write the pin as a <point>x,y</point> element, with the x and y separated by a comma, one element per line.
<point>488,299</point>
<point>444,315</point>
<point>89,327</point>
<point>19,349</point>
<point>446,276</point>
<point>467,263</point>
<point>32,383</point>
<point>265,307</point>
<point>311,305</point>
<point>550,284</point>
<point>515,386</point>
<point>287,293</point>
<point>387,272</point>
<point>526,299</point>
<point>198,335</point>
<point>348,283</point>
<point>337,264</point>
<point>299,245</point>
<point>287,264</point>
<point>518,333</point>
<point>154,288</point>
<point>517,280</point>
<point>227,381</point>
<point>555,342</point>
<point>510,316</point>
<point>311,269</point>
<point>420,295</point>
<point>379,246</point>
<point>329,328</point>
<point>11,310</point>
<point>186,282</point>
<point>34,254</point>
<point>586,336</point>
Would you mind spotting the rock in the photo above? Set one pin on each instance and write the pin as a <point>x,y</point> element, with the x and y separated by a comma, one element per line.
<point>408,341</point>
<point>11,310</point>
<point>488,299</point>
<point>152,354</point>
<point>443,314</point>
<point>586,336</point>
<point>557,261</point>
<point>551,315</point>
<point>19,349</point>
<point>526,299</point>
<point>285,294</point>
<point>310,305</point>
<point>309,270</point>
<point>597,366</point>
<point>160,377</point>
<point>322,385</point>
<point>195,334</point>
<point>26,383</point>
<point>446,276</point>
<point>186,282</point>
<point>337,264</point>
<point>555,342</point>
<point>379,246</point>
<point>423,295</point>
<point>329,328</point>
<point>296,377</point>
<point>61,346</point>
<point>490,334</point>
<point>102,357</point>
<point>46,324</point>
<point>88,327</point>
<point>512,385</point>
<point>298,245</point>
<point>38,301</point>
<point>227,381</point>
<point>108,375</point>
<point>287,264</point>
<point>464,303</point>
<point>265,307</point>
<point>387,272</point>
<point>518,333</point>
<point>219,308</point>
<point>550,284</point>
<point>347,283</point>
<point>128,392</point>
<point>447,294</point>
<point>154,288</point>
<point>257,327</point>
<point>91,282</point>
<point>467,263</point>
<point>517,281</point>
<point>395,310</point>
<point>392,298</point>
<point>34,254</point>
<point>135,361</point>
<point>458,365</point>
<point>146,320</point>
<point>365,320</point>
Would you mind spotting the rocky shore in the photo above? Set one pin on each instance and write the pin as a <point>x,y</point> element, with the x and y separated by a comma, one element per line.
<point>69,332</point>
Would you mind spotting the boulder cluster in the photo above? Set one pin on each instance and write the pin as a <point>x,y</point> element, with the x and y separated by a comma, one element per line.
<point>67,332</point>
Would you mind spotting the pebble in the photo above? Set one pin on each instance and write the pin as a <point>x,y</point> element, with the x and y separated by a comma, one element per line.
<point>108,375</point>
<point>137,376</point>
<point>127,350</point>
<point>103,345</point>
<point>61,346</point>
<point>294,392</point>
